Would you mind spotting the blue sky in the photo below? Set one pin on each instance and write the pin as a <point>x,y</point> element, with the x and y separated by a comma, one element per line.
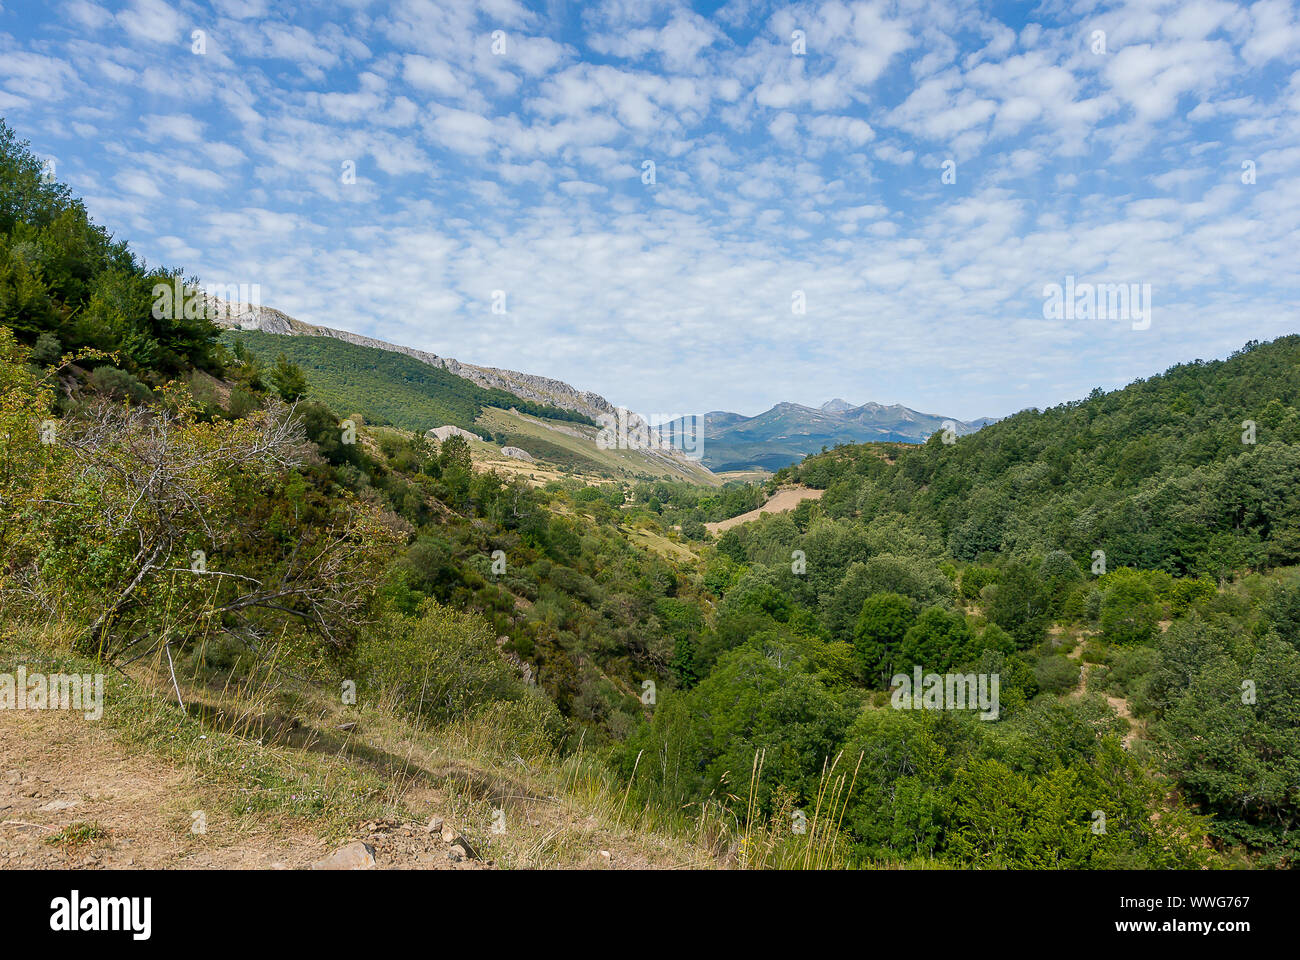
<point>519,165</point>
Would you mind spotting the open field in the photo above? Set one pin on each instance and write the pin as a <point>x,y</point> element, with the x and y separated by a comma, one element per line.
<point>787,498</point>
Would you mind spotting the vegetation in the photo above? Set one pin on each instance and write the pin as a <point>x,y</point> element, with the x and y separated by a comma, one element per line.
<point>65,284</point>
<point>392,388</point>
<point>1125,566</point>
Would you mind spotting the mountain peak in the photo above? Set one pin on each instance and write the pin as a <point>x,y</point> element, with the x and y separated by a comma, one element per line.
<point>837,405</point>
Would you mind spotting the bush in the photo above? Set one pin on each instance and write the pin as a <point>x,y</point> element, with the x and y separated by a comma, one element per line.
<point>1056,674</point>
<point>118,384</point>
<point>440,664</point>
<point>528,727</point>
<point>1128,671</point>
<point>1129,611</point>
<point>975,579</point>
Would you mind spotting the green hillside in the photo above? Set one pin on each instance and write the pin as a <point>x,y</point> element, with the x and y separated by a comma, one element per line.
<point>1126,567</point>
<point>386,387</point>
<point>1196,471</point>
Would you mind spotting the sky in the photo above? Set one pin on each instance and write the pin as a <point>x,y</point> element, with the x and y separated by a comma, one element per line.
<point>692,207</point>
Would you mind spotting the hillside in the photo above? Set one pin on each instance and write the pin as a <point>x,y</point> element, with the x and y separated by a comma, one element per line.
<point>1195,471</point>
<point>541,390</point>
<point>1125,563</point>
<point>313,631</point>
<point>387,387</point>
<point>390,388</point>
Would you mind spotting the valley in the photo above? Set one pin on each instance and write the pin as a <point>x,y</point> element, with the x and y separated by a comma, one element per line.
<point>345,603</point>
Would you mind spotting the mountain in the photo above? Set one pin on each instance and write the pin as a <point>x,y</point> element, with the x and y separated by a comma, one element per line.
<point>836,406</point>
<point>788,432</point>
<point>776,438</point>
<point>392,386</point>
<point>239,316</point>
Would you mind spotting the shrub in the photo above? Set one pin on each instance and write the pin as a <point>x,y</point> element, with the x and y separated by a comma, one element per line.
<point>439,664</point>
<point>528,727</point>
<point>1129,611</point>
<point>1056,674</point>
<point>118,384</point>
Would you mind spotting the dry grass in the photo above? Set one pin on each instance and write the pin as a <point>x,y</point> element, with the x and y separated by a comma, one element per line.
<point>278,758</point>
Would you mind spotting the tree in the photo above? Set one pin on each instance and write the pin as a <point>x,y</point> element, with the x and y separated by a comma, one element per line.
<point>881,626</point>
<point>288,380</point>
<point>938,640</point>
<point>1283,610</point>
<point>1129,611</point>
<point>454,454</point>
<point>1019,605</point>
<point>1233,740</point>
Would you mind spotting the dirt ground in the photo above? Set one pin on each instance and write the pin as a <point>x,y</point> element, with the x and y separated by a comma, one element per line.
<point>1118,704</point>
<point>57,770</point>
<point>787,498</point>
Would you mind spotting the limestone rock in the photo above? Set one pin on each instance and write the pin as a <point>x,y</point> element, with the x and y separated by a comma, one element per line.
<point>357,855</point>
<point>443,433</point>
<point>452,836</point>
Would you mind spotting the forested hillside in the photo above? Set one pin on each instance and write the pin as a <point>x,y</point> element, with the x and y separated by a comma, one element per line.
<point>1123,563</point>
<point>392,388</point>
<point>1194,471</point>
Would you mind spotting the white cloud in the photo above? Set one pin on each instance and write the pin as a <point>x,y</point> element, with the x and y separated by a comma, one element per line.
<point>152,20</point>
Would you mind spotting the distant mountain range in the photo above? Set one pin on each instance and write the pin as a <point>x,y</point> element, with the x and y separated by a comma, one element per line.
<point>788,432</point>
<point>774,439</point>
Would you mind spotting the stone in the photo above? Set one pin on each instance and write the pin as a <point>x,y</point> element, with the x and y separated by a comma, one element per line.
<point>357,855</point>
<point>450,835</point>
<point>435,825</point>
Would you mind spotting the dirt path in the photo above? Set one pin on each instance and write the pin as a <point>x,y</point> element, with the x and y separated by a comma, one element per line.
<point>1118,704</point>
<point>787,498</point>
<point>57,770</point>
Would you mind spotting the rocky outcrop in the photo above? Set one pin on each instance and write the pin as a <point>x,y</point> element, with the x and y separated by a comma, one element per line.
<point>442,433</point>
<point>515,453</point>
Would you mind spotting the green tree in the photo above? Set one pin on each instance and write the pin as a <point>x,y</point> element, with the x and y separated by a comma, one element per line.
<point>878,635</point>
<point>288,380</point>
<point>939,639</point>
<point>1129,611</point>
